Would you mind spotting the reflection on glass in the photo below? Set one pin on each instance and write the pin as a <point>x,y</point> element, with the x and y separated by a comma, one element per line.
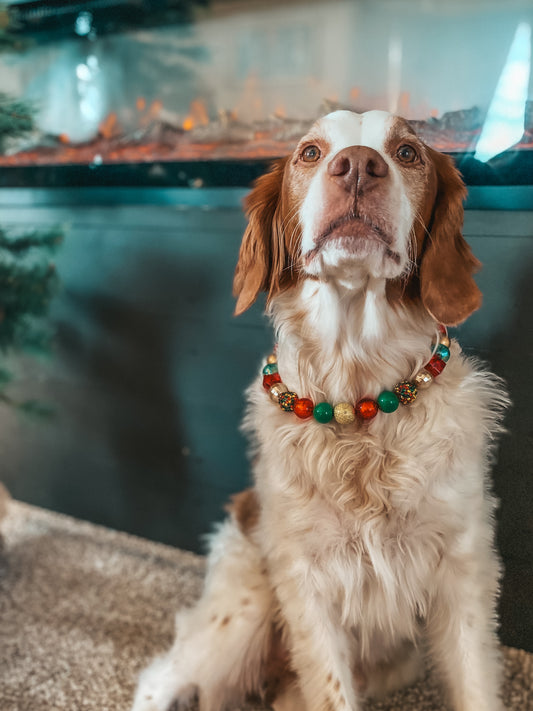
<point>505,121</point>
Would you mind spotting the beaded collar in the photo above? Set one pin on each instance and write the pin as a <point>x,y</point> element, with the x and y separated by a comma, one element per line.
<point>366,408</point>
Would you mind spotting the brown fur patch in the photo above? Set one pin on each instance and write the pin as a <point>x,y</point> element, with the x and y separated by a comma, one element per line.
<point>448,290</point>
<point>267,253</point>
<point>244,507</point>
<point>277,673</point>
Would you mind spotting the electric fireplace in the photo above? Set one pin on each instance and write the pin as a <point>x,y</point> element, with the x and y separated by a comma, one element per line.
<point>180,93</point>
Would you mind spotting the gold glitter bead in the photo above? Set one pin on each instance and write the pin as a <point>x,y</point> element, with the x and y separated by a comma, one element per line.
<point>423,379</point>
<point>276,390</point>
<point>444,341</point>
<point>272,358</point>
<point>344,413</point>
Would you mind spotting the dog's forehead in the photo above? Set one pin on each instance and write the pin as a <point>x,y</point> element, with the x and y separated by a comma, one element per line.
<point>347,128</point>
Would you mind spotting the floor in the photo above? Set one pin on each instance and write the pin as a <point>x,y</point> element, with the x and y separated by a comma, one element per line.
<point>83,609</point>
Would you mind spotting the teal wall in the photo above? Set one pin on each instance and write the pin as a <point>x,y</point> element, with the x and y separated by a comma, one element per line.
<point>149,368</point>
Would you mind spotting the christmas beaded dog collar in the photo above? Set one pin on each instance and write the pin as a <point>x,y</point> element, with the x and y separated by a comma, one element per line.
<point>366,408</point>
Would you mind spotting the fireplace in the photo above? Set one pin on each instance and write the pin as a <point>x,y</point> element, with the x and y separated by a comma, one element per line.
<point>180,93</point>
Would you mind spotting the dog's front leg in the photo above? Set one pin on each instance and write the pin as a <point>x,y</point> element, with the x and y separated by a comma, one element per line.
<point>321,653</point>
<point>462,633</point>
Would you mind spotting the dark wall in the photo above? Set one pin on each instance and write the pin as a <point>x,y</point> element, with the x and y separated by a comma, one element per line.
<point>149,368</point>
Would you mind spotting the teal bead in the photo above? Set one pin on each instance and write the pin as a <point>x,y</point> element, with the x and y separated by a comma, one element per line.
<point>270,369</point>
<point>444,352</point>
<point>323,412</point>
<point>388,401</point>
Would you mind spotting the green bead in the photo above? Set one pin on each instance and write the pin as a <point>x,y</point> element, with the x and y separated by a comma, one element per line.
<point>444,352</point>
<point>270,369</point>
<point>388,401</point>
<point>323,412</point>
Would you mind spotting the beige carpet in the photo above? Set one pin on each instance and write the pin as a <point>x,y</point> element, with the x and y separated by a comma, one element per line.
<point>83,608</point>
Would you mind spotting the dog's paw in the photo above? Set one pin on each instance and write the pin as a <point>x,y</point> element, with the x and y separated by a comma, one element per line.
<point>146,700</point>
<point>160,689</point>
<point>149,700</point>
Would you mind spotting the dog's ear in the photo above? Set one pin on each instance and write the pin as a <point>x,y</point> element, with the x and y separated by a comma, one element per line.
<point>263,257</point>
<point>447,287</point>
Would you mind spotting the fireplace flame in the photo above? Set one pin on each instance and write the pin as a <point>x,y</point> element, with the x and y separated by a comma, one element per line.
<point>109,127</point>
<point>159,134</point>
<point>197,116</point>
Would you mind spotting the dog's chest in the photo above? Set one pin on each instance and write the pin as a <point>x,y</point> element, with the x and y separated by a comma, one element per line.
<point>359,519</point>
<point>381,569</point>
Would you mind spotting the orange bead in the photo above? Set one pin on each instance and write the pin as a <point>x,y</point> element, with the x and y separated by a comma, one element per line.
<point>303,407</point>
<point>366,409</point>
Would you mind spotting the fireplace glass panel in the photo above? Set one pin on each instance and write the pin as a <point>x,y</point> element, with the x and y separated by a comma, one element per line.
<point>243,80</point>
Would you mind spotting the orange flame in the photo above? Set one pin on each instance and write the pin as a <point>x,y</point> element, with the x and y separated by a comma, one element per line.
<point>403,103</point>
<point>197,116</point>
<point>109,126</point>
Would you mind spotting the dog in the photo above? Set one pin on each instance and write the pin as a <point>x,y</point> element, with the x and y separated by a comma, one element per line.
<point>365,550</point>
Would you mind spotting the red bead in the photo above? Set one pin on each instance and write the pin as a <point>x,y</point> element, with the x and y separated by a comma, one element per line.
<point>303,407</point>
<point>270,380</point>
<point>443,329</point>
<point>366,409</point>
<point>435,366</point>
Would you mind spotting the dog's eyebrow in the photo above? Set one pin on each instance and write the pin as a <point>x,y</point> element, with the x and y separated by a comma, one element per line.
<point>310,138</point>
<point>400,130</point>
<point>401,127</point>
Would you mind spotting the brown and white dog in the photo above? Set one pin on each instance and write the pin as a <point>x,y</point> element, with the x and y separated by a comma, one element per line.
<point>364,549</point>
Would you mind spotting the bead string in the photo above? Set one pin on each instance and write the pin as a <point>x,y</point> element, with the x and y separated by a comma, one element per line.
<point>366,408</point>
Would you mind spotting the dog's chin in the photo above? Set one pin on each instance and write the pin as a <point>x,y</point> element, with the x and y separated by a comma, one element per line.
<point>353,256</point>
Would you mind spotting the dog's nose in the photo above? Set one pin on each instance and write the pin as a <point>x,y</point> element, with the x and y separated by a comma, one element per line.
<point>357,168</point>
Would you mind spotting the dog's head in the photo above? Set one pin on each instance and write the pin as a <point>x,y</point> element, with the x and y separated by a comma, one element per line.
<point>361,195</point>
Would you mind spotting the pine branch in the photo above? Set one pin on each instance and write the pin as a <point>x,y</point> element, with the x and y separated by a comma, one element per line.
<point>28,278</point>
<point>28,281</point>
<point>21,244</point>
<point>16,119</point>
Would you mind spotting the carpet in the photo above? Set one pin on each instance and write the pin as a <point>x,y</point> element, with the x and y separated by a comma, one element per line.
<point>83,609</point>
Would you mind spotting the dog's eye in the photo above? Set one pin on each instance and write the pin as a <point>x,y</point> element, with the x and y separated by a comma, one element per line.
<point>310,154</point>
<point>407,154</point>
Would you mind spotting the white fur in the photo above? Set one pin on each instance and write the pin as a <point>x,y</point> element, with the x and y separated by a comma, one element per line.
<point>339,130</point>
<point>374,545</point>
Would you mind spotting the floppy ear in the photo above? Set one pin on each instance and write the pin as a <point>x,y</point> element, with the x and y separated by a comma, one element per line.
<point>263,255</point>
<point>447,287</point>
